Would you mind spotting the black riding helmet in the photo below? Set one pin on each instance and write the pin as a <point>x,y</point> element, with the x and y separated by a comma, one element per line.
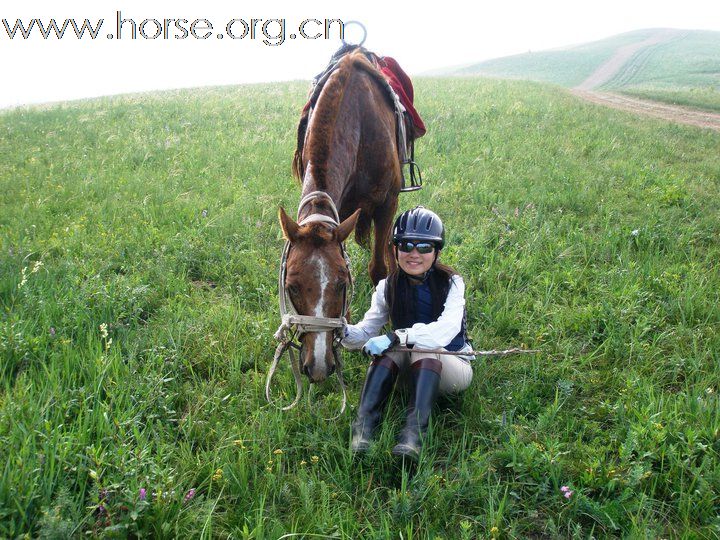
<point>419,224</point>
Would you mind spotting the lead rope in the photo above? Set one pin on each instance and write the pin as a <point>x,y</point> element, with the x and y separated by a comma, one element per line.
<point>279,351</point>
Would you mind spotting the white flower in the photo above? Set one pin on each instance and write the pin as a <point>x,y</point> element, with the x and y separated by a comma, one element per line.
<point>635,232</point>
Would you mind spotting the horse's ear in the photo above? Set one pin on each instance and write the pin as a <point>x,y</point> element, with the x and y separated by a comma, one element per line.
<point>289,227</point>
<point>347,226</point>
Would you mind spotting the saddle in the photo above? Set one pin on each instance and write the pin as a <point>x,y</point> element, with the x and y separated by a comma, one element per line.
<point>399,90</point>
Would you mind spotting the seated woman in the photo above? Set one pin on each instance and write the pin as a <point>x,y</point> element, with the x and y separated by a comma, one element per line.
<point>424,300</point>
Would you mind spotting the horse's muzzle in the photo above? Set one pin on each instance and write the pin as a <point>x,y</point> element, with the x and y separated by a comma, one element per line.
<point>314,376</point>
<point>317,370</point>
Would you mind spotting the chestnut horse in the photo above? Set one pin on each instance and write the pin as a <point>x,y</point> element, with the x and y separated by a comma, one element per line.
<point>347,149</point>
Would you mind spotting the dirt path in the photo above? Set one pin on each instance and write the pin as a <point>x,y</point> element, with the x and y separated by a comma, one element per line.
<point>609,69</point>
<point>674,113</point>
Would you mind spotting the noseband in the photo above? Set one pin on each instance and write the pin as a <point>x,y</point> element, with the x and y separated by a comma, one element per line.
<point>293,325</point>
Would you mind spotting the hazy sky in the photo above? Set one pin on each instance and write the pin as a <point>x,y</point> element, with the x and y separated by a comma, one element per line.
<point>420,35</point>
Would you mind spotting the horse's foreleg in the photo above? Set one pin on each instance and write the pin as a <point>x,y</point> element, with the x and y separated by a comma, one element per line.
<point>382,261</point>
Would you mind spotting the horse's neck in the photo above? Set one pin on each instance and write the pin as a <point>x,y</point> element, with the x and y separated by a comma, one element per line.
<point>319,205</point>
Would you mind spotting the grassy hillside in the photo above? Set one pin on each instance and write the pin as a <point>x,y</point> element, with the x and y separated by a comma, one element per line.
<point>567,67</point>
<point>689,60</point>
<point>138,259</point>
<point>683,70</point>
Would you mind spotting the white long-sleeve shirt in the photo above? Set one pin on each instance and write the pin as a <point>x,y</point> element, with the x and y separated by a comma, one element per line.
<point>432,335</point>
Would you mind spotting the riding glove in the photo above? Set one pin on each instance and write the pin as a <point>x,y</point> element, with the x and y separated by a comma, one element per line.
<point>379,344</point>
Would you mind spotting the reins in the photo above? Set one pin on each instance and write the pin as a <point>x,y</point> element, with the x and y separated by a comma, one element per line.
<point>294,326</point>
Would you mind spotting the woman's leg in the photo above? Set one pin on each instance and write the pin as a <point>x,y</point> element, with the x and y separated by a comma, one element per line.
<point>457,374</point>
<point>425,374</point>
<point>432,374</point>
<point>379,382</point>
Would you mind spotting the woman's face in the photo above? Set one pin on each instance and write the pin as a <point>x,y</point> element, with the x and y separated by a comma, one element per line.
<point>415,263</point>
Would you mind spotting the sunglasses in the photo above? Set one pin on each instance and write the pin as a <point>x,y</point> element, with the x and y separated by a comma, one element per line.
<point>422,247</point>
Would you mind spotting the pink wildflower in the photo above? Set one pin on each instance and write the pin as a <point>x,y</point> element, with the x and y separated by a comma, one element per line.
<point>143,494</point>
<point>189,495</point>
<point>568,494</point>
<point>564,489</point>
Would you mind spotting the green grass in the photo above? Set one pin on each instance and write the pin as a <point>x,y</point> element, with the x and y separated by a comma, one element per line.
<point>707,98</point>
<point>585,232</point>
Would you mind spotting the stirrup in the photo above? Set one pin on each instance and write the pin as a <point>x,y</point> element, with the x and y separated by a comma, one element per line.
<point>415,181</point>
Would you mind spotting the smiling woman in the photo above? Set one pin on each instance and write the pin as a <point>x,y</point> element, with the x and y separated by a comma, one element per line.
<point>416,258</point>
<point>424,302</point>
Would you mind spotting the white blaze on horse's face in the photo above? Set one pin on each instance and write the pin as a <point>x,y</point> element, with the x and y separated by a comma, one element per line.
<point>320,349</point>
<point>317,286</point>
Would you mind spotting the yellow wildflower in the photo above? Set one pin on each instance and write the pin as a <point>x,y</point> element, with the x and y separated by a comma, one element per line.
<point>314,459</point>
<point>278,452</point>
<point>218,475</point>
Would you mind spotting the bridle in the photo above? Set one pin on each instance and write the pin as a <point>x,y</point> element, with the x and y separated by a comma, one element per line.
<point>293,325</point>
<point>288,313</point>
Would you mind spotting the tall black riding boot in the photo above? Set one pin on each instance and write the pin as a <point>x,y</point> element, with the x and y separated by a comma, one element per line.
<point>426,376</point>
<point>378,385</point>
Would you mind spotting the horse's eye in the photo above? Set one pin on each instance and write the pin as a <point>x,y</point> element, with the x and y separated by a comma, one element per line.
<point>294,290</point>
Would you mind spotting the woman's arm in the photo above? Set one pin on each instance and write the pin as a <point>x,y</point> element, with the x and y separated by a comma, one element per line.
<point>375,318</point>
<point>441,332</point>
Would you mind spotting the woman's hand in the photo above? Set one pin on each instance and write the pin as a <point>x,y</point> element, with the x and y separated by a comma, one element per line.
<point>377,345</point>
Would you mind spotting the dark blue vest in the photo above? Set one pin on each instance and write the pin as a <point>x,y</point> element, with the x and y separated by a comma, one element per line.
<point>424,314</point>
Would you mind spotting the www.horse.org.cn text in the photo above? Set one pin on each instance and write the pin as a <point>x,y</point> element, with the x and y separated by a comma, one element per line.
<point>271,32</point>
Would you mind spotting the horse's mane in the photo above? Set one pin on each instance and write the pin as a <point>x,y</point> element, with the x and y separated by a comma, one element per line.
<point>325,109</point>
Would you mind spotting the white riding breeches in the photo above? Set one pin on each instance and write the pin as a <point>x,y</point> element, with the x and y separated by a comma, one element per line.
<point>456,374</point>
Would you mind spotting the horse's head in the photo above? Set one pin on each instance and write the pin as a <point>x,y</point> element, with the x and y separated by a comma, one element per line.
<point>317,280</point>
